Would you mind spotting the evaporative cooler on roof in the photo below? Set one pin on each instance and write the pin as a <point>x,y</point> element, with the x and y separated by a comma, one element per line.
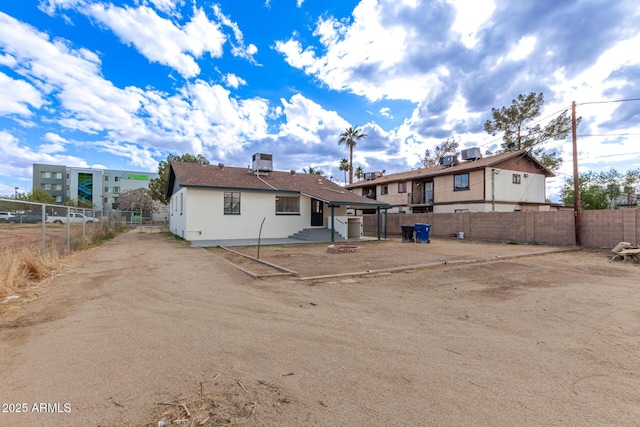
<point>262,162</point>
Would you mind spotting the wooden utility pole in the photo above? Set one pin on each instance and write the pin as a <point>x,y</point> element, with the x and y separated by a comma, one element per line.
<point>577,204</point>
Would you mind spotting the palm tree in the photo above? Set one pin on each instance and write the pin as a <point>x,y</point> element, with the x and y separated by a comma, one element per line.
<point>350,136</point>
<point>344,166</point>
<point>312,171</point>
<point>359,172</point>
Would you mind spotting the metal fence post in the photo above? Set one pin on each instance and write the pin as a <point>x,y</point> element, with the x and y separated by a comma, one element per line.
<point>44,218</point>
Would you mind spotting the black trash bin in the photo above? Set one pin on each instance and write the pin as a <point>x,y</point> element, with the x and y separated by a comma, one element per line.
<point>407,233</point>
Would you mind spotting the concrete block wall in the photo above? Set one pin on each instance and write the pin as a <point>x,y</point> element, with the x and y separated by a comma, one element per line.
<point>604,228</point>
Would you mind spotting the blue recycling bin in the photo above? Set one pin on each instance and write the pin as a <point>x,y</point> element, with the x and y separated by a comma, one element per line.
<point>422,233</point>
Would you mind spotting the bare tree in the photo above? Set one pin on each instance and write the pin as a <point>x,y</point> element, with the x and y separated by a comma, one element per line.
<point>136,200</point>
<point>447,147</point>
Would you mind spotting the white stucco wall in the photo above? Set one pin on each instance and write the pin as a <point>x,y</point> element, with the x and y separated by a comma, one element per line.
<point>530,190</point>
<point>203,216</point>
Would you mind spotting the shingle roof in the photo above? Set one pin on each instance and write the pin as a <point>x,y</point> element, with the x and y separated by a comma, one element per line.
<point>447,170</point>
<point>225,177</point>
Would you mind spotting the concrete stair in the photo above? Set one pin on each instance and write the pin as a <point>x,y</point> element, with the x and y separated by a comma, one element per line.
<point>316,235</point>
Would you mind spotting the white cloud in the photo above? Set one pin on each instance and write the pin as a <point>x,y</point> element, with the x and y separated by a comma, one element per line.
<point>17,96</point>
<point>234,81</point>
<point>238,48</point>
<point>159,39</point>
<point>306,120</point>
<point>471,15</point>
<point>386,111</point>
<point>56,143</point>
<point>138,156</point>
<point>18,158</point>
<point>199,117</point>
<point>50,6</point>
<point>369,42</point>
<point>166,6</point>
<point>523,48</point>
<point>295,55</point>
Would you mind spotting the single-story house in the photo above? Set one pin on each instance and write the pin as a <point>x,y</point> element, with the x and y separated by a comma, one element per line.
<point>217,202</point>
<point>501,183</point>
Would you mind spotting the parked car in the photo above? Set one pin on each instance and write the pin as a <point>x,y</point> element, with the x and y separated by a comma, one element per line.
<point>26,218</point>
<point>5,215</point>
<point>73,218</point>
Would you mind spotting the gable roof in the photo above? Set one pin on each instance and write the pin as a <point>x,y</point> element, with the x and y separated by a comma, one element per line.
<point>433,171</point>
<point>233,178</point>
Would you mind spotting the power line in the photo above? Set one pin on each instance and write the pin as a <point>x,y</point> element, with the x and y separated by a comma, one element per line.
<point>610,134</point>
<point>564,110</point>
<point>609,102</point>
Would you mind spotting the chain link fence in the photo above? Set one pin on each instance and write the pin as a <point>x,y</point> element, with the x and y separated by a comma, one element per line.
<point>64,229</point>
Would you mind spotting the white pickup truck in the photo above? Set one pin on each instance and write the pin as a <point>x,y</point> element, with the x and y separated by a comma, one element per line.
<point>73,218</point>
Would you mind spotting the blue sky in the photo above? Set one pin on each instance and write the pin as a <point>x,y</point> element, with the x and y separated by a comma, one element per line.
<point>122,84</point>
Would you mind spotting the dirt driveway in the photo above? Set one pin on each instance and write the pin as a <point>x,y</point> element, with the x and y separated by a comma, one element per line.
<point>146,329</point>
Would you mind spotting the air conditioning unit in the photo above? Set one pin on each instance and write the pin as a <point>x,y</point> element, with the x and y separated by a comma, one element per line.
<point>369,176</point>
<point>447,160</point>
<point>471,154</point>
<point>262,162</point>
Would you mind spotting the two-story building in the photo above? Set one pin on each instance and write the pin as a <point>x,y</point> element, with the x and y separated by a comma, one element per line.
<point>501,183</point>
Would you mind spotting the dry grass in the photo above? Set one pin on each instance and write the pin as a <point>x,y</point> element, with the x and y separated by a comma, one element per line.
<point>23,268</point>
<point>20,269</point>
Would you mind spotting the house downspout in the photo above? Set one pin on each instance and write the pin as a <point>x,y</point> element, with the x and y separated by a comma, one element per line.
<point>378,213</point>
<point>493,190</point>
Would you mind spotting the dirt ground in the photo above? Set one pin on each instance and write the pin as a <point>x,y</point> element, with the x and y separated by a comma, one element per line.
<point>311,260</point>
<point>147,331</point>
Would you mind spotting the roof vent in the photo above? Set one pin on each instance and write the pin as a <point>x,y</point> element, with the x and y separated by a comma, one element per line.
<point>221,165</point>
<point>293,171</point>
<point>262,162</point>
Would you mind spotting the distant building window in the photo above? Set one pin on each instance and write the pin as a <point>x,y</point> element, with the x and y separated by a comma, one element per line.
<point>116,190</point>
<point>516,178</point>
<point>58,199</point>
<point>106,189</point>
<point>402,187</point>
<point>461,182</point>
<point>106,178</point>
<point>461,210</point>
<point>287,205</point>
<point>45,186</point>
<point>106,200</point>
<point>384,189</point>
<point>231,203</point>
<point>57,175</point>
<point>115,178</point>
<point>45,174</point>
